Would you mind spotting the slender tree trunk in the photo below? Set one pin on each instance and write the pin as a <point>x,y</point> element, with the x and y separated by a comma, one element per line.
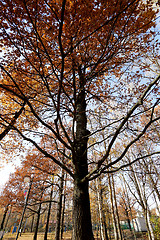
<point>104,220</point>
<point>48,215</point>
<point>151,181</point>
<point>24,226</point>
<point>63,212</point>
<point>128,220</point>
<point>6,224</point>
<point>4,217</point>
<point>112,209</point>
<point>24,209</point>
<point>100,209</point>
<point>62,219</point>
<point>148,221</point>
<point>144,204</point>
<point>103,228</point>
<point>129,206</point>
<point>157,206</point>
<point>37,223</point>
<point>116,210</point>
<point>110,231</point>
<point>82,227</point>
<point>32,223</point>
<point>59,208</point>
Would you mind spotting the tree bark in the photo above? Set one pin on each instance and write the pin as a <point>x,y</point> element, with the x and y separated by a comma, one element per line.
<point>48,215</point>
<point>38,218</point>
<point>59,208</point>
<point>63,211</point>
<point>100,208</point>
<point>82,226</point>
<point>116,210</point>
<point>112,208</point>
<point>62,219</point>
<point>103,228</point>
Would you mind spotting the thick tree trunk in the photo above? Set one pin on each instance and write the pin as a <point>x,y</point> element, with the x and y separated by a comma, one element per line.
<point>82,227</point>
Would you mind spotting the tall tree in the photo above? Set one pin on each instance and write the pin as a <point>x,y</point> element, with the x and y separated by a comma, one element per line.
<point>62,60</point>
<point>103,229</point>
<point>59,208</point>
<point>49,212</point>
<point>143,201</point>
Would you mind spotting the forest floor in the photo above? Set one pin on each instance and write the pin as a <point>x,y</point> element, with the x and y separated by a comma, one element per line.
<point>67,236</point>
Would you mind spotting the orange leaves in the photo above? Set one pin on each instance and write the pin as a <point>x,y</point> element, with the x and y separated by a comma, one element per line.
<point>91,32</point>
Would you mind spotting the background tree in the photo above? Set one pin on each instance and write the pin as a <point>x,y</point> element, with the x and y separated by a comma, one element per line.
<point>62,61</point>
<point>15,191</point>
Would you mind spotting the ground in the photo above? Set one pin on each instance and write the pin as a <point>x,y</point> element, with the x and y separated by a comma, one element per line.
<point>67,236</point>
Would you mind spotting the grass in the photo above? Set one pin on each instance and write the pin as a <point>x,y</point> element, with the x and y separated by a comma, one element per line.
<point>29,236</point>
